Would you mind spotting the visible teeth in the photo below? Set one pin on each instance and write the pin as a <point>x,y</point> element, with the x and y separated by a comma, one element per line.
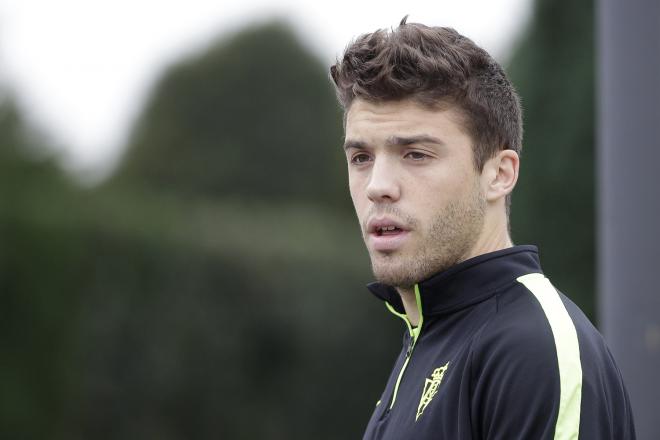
<point>388,228</point>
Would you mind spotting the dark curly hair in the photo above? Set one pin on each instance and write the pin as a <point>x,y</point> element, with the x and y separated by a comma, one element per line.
<point>435,66</point>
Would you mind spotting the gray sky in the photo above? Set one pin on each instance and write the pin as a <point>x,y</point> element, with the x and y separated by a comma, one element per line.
<point>81,69</point>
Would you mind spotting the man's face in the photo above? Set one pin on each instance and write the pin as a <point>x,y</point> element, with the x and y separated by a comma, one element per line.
<point>415,190</point>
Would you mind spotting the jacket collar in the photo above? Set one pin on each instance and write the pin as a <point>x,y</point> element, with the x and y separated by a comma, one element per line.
<point>468,282</point>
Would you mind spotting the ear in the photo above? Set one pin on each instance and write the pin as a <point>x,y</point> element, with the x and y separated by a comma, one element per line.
<point>500,175</point>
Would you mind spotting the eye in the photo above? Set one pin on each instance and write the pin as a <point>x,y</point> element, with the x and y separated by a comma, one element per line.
<point>416,155</point>
<point>360,158</point>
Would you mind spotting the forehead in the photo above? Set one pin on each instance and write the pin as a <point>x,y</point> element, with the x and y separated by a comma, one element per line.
<point>376,120</point>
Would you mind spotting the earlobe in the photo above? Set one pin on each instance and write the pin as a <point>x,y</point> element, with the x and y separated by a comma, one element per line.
<point>503,174</point>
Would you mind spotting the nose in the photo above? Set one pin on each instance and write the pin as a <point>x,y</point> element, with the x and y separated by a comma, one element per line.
<point>383,185</point>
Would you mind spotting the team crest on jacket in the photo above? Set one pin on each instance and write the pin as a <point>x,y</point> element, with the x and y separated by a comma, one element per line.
<point>430,389</point>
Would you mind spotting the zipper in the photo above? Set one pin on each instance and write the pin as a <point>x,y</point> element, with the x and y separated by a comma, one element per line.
<point>414,335</point>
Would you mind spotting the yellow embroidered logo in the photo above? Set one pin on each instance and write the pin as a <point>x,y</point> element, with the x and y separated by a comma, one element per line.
<point>430,389</point>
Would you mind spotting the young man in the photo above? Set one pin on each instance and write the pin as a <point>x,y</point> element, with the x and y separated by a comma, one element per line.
<point>491,349</point>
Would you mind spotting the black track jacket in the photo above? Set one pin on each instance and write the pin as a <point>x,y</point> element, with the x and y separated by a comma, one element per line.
<point>499,354</point>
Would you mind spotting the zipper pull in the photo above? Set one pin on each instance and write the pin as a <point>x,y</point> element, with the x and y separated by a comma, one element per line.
<point>410,346</point>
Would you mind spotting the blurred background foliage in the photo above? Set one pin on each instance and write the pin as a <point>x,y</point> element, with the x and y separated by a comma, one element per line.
<point>553,205</point>
<point>214,286</point>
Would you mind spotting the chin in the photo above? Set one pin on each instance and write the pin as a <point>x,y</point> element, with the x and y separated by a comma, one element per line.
<point>397,274</point>
<point>399,271</point>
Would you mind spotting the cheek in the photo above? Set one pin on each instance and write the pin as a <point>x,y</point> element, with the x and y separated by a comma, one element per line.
<point>352,188</point>
<point>430,209</point>
<point>357,195</point>
<point>431,199</point>
<point>448,184</point>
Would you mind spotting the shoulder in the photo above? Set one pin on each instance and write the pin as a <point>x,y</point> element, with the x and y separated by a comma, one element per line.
<point>523,324</point>
<point>530,343</point>
<point>532,326</point>
<point>515,370</point>
<point>539,347</point>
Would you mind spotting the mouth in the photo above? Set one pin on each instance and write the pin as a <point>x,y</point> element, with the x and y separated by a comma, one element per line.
<point>387,230</point>
<point>386,235</point>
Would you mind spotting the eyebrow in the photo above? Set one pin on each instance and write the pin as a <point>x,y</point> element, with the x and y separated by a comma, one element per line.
<point>394,141</point>
<point>358,145</point>
<point>409,140</point>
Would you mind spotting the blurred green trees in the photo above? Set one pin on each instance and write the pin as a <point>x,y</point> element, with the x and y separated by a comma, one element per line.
<point>250,117</point>
<point>36,330</point>
<point>213,287</point>
<point>553,204</point>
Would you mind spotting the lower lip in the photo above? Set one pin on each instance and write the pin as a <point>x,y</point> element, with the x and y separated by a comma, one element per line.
<point>387,242</point>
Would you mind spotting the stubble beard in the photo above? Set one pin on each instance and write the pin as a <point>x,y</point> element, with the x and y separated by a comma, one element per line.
<point>448,241</point>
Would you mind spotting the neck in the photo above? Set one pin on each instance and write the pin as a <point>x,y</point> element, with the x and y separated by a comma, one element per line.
<point>409,304</point>
<point>494,235</point>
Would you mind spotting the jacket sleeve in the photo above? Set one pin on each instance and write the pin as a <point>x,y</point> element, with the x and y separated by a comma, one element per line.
<point>515,380</point>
